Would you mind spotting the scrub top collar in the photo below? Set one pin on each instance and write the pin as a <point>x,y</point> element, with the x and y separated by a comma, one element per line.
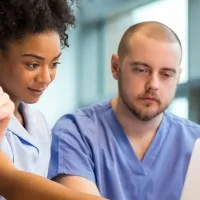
<point>28,134</point>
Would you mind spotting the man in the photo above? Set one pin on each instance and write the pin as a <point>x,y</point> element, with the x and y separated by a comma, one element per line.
<point>130,148</point>
<point>19,185</point>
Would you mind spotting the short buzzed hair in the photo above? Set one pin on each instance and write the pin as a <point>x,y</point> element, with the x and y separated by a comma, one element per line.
<point>151,29</point>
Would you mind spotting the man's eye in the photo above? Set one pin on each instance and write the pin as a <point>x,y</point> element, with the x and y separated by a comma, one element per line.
<point>168,74</point>
<point>140,70</point>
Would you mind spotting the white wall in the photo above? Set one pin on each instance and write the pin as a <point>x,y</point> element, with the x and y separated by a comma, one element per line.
<point>88,65</point>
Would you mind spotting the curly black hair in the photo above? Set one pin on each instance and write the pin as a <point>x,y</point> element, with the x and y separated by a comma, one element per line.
<point>19,17</point>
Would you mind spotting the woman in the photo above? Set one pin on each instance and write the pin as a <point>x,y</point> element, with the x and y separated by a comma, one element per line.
<point>31,33</point>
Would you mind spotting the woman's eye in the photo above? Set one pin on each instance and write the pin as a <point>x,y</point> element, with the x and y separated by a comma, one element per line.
<point>54,65</point>
<point>32,65</point>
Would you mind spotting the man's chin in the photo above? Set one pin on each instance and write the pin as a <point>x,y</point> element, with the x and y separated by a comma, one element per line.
<point>148,116</point>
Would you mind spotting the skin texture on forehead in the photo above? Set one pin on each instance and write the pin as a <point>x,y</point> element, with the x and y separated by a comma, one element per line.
<point>153,30</point>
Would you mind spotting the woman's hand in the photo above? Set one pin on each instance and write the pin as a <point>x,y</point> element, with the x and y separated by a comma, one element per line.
<point>6,112</point>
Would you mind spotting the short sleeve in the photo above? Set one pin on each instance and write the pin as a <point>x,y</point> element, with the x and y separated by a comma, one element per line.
<point>70,151</point>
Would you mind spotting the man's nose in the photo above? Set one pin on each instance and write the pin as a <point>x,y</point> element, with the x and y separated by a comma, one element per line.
<point>153,82</point>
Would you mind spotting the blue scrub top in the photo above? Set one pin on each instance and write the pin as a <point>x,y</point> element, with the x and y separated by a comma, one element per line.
<point>29,148</point>
<point>93,145</point>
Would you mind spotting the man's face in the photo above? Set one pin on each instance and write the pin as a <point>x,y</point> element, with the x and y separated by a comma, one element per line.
<point>28,66</point>
<point>148,76</point>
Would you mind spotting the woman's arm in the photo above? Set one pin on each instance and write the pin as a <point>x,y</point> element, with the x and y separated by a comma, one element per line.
<point>18,185</point>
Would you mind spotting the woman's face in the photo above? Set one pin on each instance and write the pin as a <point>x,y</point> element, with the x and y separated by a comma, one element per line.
<point>28,66</point>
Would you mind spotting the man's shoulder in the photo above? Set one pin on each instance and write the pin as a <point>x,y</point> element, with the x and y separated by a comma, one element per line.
<point>85,117</point>
<point>95,109</point>
<point>182,122</point>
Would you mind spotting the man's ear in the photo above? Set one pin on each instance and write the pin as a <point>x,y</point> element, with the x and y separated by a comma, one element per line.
<point>115,66</point>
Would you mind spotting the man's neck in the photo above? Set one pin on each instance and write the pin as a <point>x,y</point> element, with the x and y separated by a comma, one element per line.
<point>131,124</point>
<point>140,133</point>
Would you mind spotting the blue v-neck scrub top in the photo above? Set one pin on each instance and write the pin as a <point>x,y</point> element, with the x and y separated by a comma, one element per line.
<point>93,145</point>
